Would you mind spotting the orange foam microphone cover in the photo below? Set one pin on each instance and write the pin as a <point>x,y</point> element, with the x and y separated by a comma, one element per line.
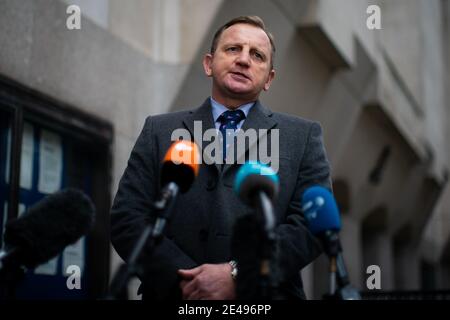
<point>181,164</point>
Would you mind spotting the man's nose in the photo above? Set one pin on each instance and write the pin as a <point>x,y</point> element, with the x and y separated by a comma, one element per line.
<point>244,58</point>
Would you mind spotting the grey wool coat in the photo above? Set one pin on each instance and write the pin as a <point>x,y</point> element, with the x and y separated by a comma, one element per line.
<point>201,226</point>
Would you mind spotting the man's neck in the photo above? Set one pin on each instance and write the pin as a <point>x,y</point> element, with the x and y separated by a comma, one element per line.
<point>231,103</point>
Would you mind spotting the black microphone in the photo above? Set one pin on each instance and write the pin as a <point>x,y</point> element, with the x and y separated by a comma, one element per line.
<point>44,230</point>
<point>178,172</point>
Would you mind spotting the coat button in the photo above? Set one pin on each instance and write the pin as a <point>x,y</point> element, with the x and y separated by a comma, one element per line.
<point>203,235</point>
<point>211,184</point>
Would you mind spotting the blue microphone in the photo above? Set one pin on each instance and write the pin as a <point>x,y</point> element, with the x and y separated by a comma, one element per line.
<point>320,210</point>
<point>254,237</point>
<point>257,185</point>
<point>254,177</point>
<point>322,215</point>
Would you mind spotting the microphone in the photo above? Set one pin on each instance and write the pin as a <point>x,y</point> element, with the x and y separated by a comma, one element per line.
<point>181,164</point>
<point>46,229</point>
<point>179,169</point>
<point>257,185</point>
<point>322,214</point>
<point>253,242</point>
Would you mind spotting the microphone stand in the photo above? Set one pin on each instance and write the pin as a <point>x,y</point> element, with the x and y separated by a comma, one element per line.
<point>148,239</point>
<point>269,282</point>
<point>339,285</point>
<point>10,276</point>
<point>345,290</point>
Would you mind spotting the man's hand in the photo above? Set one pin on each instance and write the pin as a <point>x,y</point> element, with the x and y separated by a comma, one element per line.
<point>208,282</point>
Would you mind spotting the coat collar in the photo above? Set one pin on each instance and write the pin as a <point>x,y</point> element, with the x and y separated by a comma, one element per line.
<point>258,118</point>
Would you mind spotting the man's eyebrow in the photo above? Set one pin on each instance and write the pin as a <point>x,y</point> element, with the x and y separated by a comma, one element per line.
<point>258,50</point>
<point>253,47</point>
<point>233,43</point>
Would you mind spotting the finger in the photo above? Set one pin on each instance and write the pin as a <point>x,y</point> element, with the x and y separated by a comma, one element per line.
<point>195,295</point>
<point>183,283</point>
<point>189,288</point>
<point>189,273</point>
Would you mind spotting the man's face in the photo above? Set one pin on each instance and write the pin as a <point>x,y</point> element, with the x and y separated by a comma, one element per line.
<point>241,65</point>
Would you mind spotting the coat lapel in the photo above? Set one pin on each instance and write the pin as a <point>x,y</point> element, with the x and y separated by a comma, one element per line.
<point>204,116</point>
<point>258,118</point>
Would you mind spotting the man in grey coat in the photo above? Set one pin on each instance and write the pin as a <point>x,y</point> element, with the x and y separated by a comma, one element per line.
<point>193,259</point>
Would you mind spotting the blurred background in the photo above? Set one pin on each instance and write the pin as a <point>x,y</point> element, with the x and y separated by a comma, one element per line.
<point>72,103</point>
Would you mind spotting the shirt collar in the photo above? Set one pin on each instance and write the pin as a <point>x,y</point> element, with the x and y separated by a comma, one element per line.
<point>218,109</point>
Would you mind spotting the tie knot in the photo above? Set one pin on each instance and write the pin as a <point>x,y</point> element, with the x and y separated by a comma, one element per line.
<point>232,116</point>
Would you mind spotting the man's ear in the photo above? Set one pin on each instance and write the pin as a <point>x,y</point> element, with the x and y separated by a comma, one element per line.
<point>207,62</point>
<point>270,77</point>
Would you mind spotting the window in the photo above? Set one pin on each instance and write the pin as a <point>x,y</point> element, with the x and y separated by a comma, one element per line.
<point>46,146</point>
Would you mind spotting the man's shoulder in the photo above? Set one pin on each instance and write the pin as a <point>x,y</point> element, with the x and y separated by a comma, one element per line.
<point>169,119</point>
<point>289,120</point>
<point>170,116</point>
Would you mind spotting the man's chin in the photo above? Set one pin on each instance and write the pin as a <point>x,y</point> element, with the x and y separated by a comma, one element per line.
<point>240,90</point>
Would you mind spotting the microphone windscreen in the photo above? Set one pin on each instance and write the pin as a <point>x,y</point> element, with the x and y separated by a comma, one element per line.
<point>181,164</point>
<point>53,223</point>
<point>320,210</point>
<point>253,177</point>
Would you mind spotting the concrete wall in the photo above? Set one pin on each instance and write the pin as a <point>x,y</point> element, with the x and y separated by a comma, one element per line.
<point>166,30</point>
<point>436,235</point>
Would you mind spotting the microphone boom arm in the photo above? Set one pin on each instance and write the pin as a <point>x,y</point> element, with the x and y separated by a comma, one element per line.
<point>150,236</point>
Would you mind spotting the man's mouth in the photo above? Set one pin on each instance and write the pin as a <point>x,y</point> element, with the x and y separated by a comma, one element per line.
<point>241,75</point>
